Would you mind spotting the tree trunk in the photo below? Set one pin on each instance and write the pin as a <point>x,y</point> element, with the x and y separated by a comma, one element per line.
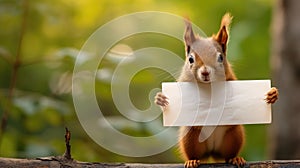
<point>286,75</point>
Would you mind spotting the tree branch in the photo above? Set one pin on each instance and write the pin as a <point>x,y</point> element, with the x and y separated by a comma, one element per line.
<point>15,67</point>
<point>67,154</point>
<point>53,163</point>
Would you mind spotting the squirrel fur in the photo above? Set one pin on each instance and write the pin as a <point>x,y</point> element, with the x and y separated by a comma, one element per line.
<point>206,62</point>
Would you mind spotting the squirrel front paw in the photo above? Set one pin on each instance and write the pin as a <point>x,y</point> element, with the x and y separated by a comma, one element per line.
<point>161,99</point>
<point>272,95</point>
<point>192,164</point>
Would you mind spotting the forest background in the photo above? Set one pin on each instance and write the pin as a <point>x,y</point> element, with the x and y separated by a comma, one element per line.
<point>39,43</point>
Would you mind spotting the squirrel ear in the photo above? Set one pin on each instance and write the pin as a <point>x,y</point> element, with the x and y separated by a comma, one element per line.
<point>223,34</point>
<point>189,36</point>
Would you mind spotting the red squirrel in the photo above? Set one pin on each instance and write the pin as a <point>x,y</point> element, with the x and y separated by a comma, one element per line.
<point>206,62</point>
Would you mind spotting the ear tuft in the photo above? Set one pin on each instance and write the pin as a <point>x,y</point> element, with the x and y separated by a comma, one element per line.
<point>226,20</point>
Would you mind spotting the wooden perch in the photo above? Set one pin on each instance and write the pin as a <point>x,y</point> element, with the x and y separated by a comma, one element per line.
<point>66,161</point>
<point>56,163</point>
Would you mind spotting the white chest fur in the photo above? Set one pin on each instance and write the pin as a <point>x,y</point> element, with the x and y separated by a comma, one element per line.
<point>214,141</point>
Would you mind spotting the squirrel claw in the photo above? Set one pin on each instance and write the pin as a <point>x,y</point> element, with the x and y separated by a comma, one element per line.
<point>272,96</point>
<point>238,161</point>
<point>192,164</point>
<point>161,99</point>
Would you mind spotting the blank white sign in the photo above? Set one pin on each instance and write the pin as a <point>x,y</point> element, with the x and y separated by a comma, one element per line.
<point>218,103</point>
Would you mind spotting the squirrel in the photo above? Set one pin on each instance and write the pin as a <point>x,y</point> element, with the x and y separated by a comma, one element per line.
<point>206,62</point>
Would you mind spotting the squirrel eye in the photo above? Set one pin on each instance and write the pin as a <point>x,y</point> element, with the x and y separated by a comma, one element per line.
<point>191,59</point>
<point>220,58</point>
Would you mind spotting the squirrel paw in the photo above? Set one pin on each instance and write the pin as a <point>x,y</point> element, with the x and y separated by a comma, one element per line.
<point>272,95</point>
<point>161,99</point>
<point>238,161</point>
<point>192,164</point>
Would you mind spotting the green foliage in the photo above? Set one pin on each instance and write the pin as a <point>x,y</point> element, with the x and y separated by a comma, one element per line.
<point>41,104</point>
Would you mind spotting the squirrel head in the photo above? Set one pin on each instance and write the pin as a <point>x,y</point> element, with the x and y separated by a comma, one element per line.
<point>206,57</point>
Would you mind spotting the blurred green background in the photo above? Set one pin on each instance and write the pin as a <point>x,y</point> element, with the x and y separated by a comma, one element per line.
<point>39,42</point>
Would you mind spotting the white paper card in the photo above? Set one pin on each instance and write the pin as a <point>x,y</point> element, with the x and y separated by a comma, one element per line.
<point>219,103</point>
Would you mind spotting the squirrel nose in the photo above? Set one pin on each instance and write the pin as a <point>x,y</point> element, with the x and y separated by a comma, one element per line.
<point>205,73</point>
